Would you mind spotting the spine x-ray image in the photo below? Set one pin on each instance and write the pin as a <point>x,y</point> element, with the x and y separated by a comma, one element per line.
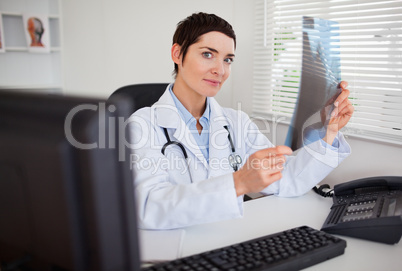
<point>319,85</point>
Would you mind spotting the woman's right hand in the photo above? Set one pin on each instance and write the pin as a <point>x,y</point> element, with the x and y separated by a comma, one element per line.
<point>261,169</point>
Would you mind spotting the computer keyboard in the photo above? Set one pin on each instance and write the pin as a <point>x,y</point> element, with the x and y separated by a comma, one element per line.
<point>293,249</point>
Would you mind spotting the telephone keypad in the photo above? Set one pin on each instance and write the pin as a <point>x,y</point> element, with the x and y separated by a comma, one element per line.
<point>361,206</point>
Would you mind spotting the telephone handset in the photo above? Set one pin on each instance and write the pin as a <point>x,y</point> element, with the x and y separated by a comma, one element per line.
<point>369,208</point>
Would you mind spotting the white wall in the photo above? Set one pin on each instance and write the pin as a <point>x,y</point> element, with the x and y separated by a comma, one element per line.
<point>242,72</point>
<point>111,43</point>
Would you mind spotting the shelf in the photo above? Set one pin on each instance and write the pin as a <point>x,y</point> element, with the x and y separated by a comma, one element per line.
<point>25,49</point>
<point>50,16</point>
<point>11,14</point>
<point>20,67</point>
<point>32,87</point>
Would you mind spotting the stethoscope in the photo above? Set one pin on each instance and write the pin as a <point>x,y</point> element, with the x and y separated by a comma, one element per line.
<point>234,159</point>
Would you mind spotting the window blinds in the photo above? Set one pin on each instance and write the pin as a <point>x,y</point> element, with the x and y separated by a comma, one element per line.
<point>371,60</point>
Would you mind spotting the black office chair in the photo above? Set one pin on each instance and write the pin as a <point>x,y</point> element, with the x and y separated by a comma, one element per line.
<point>139,95</point>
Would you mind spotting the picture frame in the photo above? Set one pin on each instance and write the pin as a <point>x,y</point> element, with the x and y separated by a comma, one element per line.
<point>2,43</point>
<point>36,28</point>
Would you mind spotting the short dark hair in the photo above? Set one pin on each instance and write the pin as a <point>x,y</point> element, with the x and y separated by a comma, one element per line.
<point>189,30</point>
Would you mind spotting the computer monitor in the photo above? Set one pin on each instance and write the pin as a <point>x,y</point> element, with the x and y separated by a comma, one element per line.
<point>66,192</point>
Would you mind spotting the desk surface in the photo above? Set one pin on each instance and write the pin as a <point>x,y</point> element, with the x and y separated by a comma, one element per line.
<point>273,214</point>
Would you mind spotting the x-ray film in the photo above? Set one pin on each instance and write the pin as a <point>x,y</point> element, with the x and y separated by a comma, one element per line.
<point>319,85</point>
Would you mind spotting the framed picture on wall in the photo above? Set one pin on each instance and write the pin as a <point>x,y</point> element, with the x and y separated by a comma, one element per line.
<point>37,33</point>
<point>2,45</point>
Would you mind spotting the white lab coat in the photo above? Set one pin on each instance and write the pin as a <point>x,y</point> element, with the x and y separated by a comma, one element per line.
<point>169,197</point>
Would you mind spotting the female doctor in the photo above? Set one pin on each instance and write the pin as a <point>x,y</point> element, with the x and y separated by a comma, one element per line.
<point>193,161</point>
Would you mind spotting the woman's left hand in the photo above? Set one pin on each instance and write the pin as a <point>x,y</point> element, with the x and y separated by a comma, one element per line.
<point>341,114</point>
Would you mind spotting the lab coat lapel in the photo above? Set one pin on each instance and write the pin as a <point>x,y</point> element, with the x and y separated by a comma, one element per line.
<point>167,116</point>
<point>219,148</point>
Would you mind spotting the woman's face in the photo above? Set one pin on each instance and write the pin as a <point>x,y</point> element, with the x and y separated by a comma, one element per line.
<point>206,65</point>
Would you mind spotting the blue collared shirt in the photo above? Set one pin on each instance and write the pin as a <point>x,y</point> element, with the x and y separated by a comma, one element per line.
<point>202,140</point>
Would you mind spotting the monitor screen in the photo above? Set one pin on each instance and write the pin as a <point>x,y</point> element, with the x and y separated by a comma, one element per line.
<point>66,190</point>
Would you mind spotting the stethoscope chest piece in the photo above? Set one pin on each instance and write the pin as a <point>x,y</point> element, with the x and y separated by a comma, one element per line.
<point>234,161</point>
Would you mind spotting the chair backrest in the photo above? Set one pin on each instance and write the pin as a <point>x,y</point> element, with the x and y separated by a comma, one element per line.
<point>140,95</point>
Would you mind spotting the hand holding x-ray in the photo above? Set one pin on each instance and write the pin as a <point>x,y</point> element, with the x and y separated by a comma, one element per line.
<point>340,111</point>
<point>322,107</point>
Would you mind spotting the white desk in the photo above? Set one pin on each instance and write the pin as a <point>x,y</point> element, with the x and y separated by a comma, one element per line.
<point>272,214</point>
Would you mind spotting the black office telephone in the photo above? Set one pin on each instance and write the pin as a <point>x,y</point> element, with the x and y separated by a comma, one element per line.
<point>369,208</point>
